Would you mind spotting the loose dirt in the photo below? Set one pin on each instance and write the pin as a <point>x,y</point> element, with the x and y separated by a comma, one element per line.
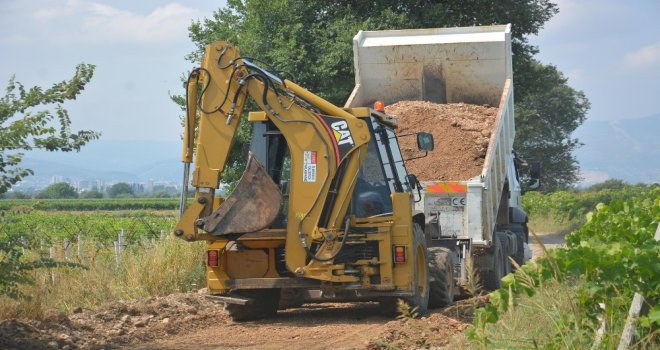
<point>117,324</point>
<point>461,133</point>
<point>190,320</point>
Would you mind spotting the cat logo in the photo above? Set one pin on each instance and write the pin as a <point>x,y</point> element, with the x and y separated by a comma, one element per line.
<point>342,134</point>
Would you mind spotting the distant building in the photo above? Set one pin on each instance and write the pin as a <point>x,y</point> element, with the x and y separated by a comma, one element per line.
<point>137,187</point>
<point>57,179</point>
<point>149,185</point>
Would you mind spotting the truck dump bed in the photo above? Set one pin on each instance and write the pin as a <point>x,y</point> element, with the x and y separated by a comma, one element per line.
<point>469,65</point>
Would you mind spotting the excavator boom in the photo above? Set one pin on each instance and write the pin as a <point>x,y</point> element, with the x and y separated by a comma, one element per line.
<point>326,144</point>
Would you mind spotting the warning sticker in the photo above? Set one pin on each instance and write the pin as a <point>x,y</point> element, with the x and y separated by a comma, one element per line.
<point>309,166</point>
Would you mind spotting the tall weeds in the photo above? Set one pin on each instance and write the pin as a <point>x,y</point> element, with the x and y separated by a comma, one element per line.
<point>168,266</point>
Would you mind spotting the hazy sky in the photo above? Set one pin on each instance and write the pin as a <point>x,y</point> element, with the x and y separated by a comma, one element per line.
<point>137,46</point>
<point>610,49</point>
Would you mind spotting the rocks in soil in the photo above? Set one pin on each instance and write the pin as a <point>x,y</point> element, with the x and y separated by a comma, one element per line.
<point>461,135</point>
<point>436,330</point>
<point>117,324</point>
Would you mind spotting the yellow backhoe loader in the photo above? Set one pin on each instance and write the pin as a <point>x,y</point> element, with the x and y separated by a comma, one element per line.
<point>324,209</point>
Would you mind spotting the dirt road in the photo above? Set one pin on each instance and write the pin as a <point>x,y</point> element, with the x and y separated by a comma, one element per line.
<point>331,326</point>
<point>189,320</point>
<point>320,326</point>
<point>549,240</point>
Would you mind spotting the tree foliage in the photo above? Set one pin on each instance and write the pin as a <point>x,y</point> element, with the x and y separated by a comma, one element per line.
<point>60,190</point>
<point>34,118</point>
<point>91,194</point>
<point>547,113</point>
<point>121,189</point>
<point>15,195</point>
<point>609,184</point>
<point>312,39</point>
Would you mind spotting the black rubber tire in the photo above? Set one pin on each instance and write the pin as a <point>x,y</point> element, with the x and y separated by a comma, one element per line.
<point>506,251</point>
<point>387,306</point>
<point>441,270</point>
<point>265,304</point>
<point>521,232</point>
<point>291,298</point>
<point>491,279</point>
<point>420,299</point>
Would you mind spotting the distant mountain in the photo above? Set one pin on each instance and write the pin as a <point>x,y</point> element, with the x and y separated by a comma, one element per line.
<point>109,160</point>
<point>624,149</point>
<point>49,169</point>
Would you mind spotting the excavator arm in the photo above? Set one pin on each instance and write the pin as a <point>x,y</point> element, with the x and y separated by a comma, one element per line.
<point>327,146</point>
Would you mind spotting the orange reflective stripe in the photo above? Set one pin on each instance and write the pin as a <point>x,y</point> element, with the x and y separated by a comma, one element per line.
<point>435,188</point>
<point>446,187</point>
<point>458,188</point>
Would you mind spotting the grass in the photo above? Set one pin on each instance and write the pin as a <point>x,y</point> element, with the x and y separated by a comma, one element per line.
<point>535,321</point>
<point>555,317</point>
<point>168,266</point>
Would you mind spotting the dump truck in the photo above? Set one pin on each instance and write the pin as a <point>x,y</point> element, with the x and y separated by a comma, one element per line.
<point>476,218</point>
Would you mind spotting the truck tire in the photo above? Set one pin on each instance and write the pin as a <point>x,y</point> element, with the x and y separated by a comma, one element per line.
<point>291,298</point>
<point>503,237</point>
<point>491,275</point>
<point>420,299</point>
<point>441,270</point>
<point>521,232</point>
<point>265,303</point>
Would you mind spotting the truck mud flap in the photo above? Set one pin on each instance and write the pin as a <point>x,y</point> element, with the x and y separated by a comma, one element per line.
<point>252,206</point>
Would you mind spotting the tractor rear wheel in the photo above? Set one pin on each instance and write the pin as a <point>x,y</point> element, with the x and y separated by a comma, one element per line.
<point>441,269</point>
<point>264,304</point>
<point>291,298</point>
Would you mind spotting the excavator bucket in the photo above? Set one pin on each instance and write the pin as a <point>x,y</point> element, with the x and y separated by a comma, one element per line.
<point>252,206</point>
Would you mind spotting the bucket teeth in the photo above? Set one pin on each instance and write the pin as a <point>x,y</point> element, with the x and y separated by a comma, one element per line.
<point>252,206</point>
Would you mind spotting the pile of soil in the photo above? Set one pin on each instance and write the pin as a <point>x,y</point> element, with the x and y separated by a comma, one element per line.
<point>461,133</point>
<point>441,328</point>
<point>117,324</point>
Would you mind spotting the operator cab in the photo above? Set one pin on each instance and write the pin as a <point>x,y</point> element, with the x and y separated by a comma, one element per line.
<point>382,173</point>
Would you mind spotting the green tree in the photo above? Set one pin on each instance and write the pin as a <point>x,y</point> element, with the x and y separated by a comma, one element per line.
<point>313,40</point>
<point>34,118</point>
<point>547,113</point>
<point>16,195</point>
<point>121,189</point>
<point>91,194</point>
<point>609,184</point>
<point>60,190</point>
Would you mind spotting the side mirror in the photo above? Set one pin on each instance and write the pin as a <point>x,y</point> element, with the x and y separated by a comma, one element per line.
<point>425,141</point>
